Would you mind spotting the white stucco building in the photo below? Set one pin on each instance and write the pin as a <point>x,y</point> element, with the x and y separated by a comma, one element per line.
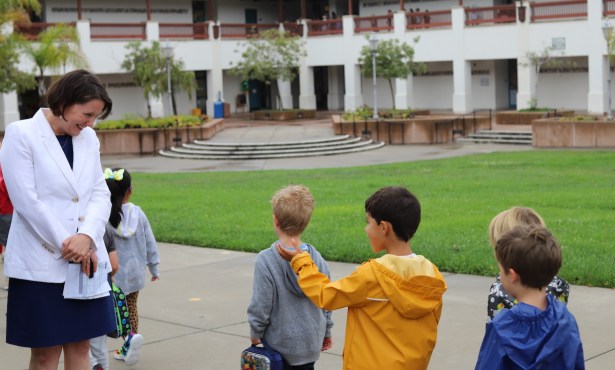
<point>475,51</point>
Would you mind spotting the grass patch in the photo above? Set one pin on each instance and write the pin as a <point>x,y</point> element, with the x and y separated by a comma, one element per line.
<point>572,190</point>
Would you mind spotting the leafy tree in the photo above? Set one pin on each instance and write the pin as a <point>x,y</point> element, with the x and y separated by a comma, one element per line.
<point>545,58</point>
<point>11,78</point>
<point>147,67</point>
<point>55,47</point>
<point>394,59</point>
<point>270,56</point>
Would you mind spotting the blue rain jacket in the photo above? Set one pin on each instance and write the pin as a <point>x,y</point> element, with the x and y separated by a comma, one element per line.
<point>525,337</point>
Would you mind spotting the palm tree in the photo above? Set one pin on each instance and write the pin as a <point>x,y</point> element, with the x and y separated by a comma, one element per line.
<point>56,47</point>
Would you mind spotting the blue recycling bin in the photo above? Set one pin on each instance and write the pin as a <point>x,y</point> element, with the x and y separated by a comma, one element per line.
<point>218,109</point>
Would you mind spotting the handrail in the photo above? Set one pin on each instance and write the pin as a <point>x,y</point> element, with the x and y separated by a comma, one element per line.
<point>325,27</point>
<point>31,31</point>
<point>244,30</point>
<point>373,23</point>
<point>427,19</point>
<point>490,14</point>
<point>295,29</point>
<point>117,31</point>
<point>196,31</point>
<point>558,9</point>
<point>608,7</point>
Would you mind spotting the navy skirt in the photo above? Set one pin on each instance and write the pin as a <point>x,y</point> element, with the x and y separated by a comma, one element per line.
<point>37,315</point>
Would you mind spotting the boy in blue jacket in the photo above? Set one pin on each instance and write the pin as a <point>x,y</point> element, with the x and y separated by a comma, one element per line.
<point>539,332</point>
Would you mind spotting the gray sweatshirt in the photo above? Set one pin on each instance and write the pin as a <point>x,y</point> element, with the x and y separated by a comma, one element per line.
<point>280,313</point>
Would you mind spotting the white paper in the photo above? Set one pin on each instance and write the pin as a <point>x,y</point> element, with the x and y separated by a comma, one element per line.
<point>79,286</point>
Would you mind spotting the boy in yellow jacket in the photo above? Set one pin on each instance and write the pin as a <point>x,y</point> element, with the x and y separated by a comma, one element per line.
<point>394,302</point>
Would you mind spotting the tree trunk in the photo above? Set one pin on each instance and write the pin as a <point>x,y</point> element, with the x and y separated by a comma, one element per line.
<point>278,95</point>
<point>173,102</point>
<point>392,92</point>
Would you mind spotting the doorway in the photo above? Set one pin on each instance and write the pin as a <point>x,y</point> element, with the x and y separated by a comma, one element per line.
<point>512,84</point>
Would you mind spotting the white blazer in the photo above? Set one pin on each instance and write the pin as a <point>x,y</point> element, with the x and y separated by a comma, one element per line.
<point>51,200</point>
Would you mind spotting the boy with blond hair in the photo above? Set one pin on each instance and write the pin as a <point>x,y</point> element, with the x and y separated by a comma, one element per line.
<point>394,302</point>
<point>539,332</point>
<point>279,313</point>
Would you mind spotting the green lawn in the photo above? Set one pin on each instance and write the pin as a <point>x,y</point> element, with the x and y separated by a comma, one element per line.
<point>572,190</point>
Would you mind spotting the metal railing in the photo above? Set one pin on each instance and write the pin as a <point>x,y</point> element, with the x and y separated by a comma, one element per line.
<point>491,14</point>
<point>295,29</point>
<point>558,9</point>
<point>328,27</point>
<point>608,7</point>
<point>124,31</point>
<point>32,30</point>
<point>440,18</point>
<point>194,31</point>
<point>373,23</point>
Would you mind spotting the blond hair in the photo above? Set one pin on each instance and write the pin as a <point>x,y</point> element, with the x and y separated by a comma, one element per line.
<point>509,219</point>
<point>293,206</point>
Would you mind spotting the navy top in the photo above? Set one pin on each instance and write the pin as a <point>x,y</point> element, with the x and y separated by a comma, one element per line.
<point>66,143</point>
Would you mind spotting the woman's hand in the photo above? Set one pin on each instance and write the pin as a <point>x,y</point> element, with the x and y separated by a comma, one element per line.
<point>77,249</point>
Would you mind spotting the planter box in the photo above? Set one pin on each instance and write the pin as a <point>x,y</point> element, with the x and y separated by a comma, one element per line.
<point>526,118</point>
<point>151,140</point>
<point>273,115</point>
<point>419,130</point>
<point>549,133</point>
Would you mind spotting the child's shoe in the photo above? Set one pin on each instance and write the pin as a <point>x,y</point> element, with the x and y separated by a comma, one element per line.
<point>134,341</point>
<point>120,354</point>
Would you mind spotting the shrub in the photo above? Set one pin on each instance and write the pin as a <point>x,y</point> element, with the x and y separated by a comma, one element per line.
<point>132,121</point>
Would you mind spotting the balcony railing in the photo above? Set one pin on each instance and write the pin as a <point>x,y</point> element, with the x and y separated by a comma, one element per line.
<point>608,7</point>
<point>373,23</point>
<point>122,31</point>
<point>440,18</point>
<point>491,14</point>
<point>558,9</point>
<point>293,28</point>
<point>328,27</point>
<point>194,31</point>
<point>32,30</point>
<point>244,30</point>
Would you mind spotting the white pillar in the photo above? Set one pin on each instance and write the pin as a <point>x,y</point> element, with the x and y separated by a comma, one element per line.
<point>526,73</point>
<point>404,95</point>
<point>157,106</point>
<point>152,31</point>
<point>285,94</point>
<point>352,79</point>
<point>598,73</point>
<point>307,98</point>
<point>9,108</point>
<point>215,80</point>
<point>335,98</point>
<point>462,69</point>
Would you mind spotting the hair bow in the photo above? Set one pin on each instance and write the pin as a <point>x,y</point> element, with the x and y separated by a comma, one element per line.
<point>114,175</point>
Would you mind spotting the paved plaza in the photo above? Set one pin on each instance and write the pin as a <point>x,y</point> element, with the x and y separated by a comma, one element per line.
<point>195,318</point>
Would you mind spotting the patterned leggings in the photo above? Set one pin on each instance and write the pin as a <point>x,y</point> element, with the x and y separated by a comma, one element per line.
<point>131,300</point>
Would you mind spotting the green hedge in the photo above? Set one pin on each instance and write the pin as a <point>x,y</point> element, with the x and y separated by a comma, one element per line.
<point>140,122</point>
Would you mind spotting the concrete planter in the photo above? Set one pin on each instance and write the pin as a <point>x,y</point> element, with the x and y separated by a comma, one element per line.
<point>526,118</point>
<point>418,130</point>
<point>150,140</point>
<point>553,133</point>
<point>282,115</point>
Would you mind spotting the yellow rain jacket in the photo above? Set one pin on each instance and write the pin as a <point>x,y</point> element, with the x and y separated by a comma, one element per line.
<point>394,306</point>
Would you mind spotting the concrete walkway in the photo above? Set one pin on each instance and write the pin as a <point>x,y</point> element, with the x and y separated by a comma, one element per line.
<point>194,318</point>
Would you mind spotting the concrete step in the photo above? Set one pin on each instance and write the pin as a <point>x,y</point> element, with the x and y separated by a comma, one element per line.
<point>499,136</point>
<point>493,141</point>
<point>175,153</point>
<point>505,132</point>
<point>214,146</point>
<point>279,143</point>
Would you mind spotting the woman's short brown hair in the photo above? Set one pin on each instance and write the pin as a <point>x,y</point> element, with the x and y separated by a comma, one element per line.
<point>77,87</point>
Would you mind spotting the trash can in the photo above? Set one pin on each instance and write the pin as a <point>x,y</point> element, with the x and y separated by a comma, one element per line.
<point>218,109</point>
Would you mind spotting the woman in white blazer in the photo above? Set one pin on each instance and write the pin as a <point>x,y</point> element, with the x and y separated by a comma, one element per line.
<point>52,170</point>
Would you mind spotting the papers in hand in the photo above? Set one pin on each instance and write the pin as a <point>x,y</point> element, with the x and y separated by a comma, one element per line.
<point>79,286</point>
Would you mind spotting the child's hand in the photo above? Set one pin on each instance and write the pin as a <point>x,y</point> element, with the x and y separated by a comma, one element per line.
<point>255,341</point>
<point>290,251</point>
<point>154,278</point>
<point>327,343</point>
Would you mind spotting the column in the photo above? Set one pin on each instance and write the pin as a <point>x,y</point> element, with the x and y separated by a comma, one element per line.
<point>404,96</point>
<point>462,69</point>
<point>526,73</point>
<point>215,78</point>
<point>286,96</point>
<point>352,79</point>
<point>598,64</point>
<point>307,98</point>
<point>157,106</point>
<point>152,31</point>
<point>335,99</point>
<point>9,108</point>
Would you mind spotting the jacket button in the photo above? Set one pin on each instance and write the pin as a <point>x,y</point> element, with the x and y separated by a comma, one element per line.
<point>75,200</point>
<point>81,218</point>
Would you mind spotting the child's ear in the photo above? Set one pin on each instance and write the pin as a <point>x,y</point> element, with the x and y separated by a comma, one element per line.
<point>514,277</point>
<point>386,227</point>
<point>276,223</point>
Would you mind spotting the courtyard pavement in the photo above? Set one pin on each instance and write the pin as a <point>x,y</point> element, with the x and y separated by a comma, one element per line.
<point>194,317</point>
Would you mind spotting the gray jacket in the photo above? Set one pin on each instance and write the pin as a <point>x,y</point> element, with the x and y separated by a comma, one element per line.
<point>282,314</point>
